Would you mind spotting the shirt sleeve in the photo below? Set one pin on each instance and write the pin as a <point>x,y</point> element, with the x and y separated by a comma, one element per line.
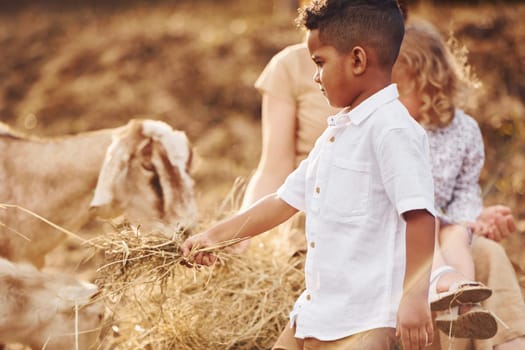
<point>292,191</point>
<point>277,78</point>
<point>405,169</point>
<point>466,203</point>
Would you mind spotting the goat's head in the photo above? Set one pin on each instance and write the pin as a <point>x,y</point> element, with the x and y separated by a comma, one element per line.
<point>145,177</point>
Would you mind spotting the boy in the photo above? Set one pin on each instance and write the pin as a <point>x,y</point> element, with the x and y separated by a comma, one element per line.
<point>366,189</point>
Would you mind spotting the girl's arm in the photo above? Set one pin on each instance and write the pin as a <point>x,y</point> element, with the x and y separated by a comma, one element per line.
<point>467,203</point>
<point>278,148</point>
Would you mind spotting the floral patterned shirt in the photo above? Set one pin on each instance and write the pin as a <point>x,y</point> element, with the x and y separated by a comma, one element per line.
<point>457,156</point>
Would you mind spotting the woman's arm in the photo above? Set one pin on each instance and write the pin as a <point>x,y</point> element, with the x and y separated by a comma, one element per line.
<point>278,148</point>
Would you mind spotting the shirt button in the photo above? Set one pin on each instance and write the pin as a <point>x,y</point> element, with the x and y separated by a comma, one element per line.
<point>318,189</point>
<point>331,139</point>
<point>308,297</point>
<point>312,244</point>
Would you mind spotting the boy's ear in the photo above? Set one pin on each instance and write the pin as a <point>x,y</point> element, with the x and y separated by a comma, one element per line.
<point>359,60</point>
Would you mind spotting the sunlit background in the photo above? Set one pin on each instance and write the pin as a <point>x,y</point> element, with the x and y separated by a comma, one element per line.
<point>69,66</point>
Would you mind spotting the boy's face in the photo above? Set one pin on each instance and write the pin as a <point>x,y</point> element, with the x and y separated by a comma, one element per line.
<point>333,73</point>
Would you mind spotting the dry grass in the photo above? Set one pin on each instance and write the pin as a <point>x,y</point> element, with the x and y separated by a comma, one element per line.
<point>157,299</point>
<point>158,302</point>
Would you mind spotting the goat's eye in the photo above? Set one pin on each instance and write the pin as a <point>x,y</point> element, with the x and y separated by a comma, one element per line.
<point>148,166</point>
<point>145,150</point>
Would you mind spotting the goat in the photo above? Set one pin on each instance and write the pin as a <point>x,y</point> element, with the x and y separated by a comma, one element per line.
<point>139,171</point>
<point>47,310</point>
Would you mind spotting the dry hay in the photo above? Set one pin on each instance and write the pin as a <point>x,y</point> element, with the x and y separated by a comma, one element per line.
<point>156,299</point>
<point>158,302</point>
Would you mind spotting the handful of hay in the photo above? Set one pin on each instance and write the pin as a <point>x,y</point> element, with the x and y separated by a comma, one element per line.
<point>157,302</point>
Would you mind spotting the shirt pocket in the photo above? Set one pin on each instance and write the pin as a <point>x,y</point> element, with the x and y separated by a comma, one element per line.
<point>347,190</point>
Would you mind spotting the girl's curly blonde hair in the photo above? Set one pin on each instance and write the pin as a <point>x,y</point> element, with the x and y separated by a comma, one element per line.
<point>438,71</point>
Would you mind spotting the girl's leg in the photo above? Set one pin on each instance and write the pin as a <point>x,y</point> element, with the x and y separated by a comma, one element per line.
<point>462,267</point>
<point>453,268</point>
<point>447,278</point>
<point>454,243</point>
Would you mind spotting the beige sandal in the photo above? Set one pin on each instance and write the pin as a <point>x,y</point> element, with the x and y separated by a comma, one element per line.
<point>459,293</point>
<point>476,323</point>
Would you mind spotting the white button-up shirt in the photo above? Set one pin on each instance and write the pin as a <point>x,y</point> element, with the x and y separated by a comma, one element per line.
<point>367,168</point>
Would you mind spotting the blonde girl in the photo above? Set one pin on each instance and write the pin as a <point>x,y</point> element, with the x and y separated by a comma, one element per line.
<point>432,84</point>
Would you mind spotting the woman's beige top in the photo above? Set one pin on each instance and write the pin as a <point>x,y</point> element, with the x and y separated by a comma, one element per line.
<point>289,75</point>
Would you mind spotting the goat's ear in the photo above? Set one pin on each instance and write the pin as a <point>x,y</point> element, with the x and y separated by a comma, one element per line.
<point>176,185</point>
<point>168,177</point>
<point>114,167</point>
<point>174,141</point>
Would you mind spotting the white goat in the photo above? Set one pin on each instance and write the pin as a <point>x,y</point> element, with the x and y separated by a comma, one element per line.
<point>47,310</point>
<point>139,170</point>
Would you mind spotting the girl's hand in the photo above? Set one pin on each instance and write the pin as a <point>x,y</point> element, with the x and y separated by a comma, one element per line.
<point>495,222</point>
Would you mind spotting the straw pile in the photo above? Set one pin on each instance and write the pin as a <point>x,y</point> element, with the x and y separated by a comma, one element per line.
<point>157,302</point>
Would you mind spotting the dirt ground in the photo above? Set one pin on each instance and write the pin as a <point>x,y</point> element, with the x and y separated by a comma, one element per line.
<point>69,68</point>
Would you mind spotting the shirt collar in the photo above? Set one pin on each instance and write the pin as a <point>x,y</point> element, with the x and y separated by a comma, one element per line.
<point>363,110</point>
<point>339,120</point>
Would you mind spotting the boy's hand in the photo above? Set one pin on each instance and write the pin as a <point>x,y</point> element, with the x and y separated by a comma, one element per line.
<point>414,322</point>
<point>199,241</point>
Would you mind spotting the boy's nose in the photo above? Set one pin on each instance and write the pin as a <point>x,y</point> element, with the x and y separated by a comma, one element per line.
<point>317,78</point>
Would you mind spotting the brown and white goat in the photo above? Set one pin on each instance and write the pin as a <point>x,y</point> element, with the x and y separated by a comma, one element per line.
<point>47,310</point>
<point>139,171</point>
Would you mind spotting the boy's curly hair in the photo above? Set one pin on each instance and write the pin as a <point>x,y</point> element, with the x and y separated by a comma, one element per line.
<point>344,24</point>
<point>439,72</point>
